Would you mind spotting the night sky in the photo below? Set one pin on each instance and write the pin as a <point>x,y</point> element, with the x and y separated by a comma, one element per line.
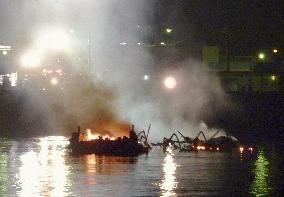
<point>248,25</point>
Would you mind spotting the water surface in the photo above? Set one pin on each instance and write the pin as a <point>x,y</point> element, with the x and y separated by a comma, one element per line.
<point>45,167</point>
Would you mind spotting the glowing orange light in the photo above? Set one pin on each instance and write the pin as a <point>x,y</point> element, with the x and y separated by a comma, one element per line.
<point>200,147</point>
<point>88,136</point>
<point>241,149</point>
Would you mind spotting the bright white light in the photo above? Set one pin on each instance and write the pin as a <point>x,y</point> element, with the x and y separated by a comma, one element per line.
<point>168,30</point>
<point>4,52</point>
<point>54,81</point>
<point>30,60</point>
<point>162,43</point>
<point>5,48</point>
<point>123,43</point>
<point>14,79</point>
<point>146,77</point>
<point>170,82</point>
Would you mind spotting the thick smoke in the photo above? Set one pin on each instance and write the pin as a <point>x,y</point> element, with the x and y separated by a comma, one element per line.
<point>108,92</point>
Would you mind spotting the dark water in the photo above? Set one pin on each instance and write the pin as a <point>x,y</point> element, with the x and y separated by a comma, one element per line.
<point>44,167</point>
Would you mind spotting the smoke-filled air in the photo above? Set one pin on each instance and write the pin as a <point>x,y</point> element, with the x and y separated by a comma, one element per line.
<point>107,76</point>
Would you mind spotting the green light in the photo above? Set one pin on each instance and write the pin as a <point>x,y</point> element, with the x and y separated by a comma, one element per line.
<point>261,56</point>
<point>169,30</point>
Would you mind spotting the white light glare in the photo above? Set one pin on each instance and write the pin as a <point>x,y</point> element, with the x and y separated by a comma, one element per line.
<point>170,82</point>
<point>146,77</point>
<point>54,81</point>
<point>30,60</point>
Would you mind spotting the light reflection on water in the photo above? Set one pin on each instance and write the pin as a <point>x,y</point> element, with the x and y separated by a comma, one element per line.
<point>169,182</point>
<point>44,172</point>
<point>261,185</point>
<point>44,167</point>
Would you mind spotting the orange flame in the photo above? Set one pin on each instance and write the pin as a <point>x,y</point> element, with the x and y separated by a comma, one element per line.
<point>88,136</point>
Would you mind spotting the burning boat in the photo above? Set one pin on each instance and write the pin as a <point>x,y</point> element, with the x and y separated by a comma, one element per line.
<point>133,145</point>
<point>222,143</point>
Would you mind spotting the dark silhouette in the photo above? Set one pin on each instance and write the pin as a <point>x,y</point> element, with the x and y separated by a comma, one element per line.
<point>132,134</point>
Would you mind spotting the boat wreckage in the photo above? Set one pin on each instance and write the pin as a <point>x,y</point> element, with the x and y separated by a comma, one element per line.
<point>184,143</point>
<point>133,145</point>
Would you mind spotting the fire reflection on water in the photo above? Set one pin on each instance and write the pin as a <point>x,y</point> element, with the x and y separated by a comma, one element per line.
<point>90,166</point>
<point>106,165</point>
<point>44,172</point>
<point>169,182</point>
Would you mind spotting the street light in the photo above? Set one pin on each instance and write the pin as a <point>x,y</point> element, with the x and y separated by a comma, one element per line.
<point>275,51</point>
<point>146,77</point>
<point>169,30</point>
<point>261,56</point>
<point>170,82</point>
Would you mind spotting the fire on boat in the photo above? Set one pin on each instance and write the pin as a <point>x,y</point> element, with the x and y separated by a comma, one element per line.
<point>88,143</point>
<point>184,143</point>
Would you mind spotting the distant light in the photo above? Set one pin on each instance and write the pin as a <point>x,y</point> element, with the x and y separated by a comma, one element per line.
<point>146,77</point>
<point>170,82</point>
<point>123,43</point>
<point>5,48</point>
<point>162,43</point>
<point>30,60</point>
<point>14,79</point>
<point>261,56</point>
<point>273,77</point>
<point>43,89</point>
<point>200,147</point>
<point>5,52</point>
<point>54,81</point>
<point>250,149</point>
<point>275,51</point>
<point>71,31</point>
<point>169,30</point>
<point>139,43</point>
<point>241,149</point>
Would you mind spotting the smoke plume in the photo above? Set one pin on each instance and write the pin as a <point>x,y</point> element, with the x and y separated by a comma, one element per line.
<point>105,60</point>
